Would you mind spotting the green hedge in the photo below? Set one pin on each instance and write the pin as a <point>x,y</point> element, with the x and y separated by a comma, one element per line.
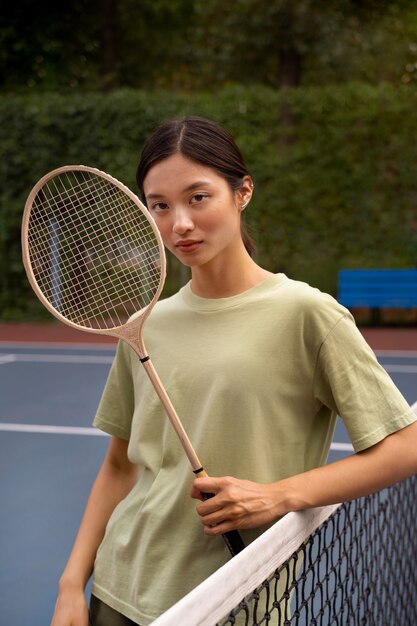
<point>334,169</point>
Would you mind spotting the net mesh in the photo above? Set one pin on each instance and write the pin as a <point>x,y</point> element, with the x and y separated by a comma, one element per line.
<point>357,567</point>
<point>92,250</point>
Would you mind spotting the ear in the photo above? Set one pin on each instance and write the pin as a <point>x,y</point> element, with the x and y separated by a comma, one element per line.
<point>245,193</point>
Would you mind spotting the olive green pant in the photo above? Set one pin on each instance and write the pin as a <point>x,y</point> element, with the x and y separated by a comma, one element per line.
<point>102,615</point>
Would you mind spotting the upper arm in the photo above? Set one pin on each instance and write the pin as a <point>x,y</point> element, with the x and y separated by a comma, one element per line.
<point>404,440</point>
<point>399,451</point>
<point>117,460</point>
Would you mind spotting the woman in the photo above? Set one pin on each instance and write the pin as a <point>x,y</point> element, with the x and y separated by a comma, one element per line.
<point>258,367</point>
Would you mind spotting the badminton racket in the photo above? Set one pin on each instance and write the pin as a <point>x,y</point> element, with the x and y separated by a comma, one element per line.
<point>95,259</point>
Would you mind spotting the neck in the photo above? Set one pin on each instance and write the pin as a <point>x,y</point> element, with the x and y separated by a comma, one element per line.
<point>224,282</point>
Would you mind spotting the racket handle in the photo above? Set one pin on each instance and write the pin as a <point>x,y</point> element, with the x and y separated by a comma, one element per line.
<point>232,539</point>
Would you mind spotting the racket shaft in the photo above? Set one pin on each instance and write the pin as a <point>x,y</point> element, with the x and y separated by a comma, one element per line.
<point>232,538</point>
<point>173,417</point>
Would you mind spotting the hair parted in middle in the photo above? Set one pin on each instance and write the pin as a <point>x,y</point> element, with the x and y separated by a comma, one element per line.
<point>200,140</point>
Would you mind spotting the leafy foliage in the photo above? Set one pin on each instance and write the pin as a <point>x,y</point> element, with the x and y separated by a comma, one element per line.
<point>193,44</point>
<point>335,184</point>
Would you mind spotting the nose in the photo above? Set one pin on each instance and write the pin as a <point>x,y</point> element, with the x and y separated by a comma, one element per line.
<point>182,221</point>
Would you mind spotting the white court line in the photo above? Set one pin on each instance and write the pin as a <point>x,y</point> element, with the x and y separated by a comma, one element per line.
<point>412,354</point>
<point>7,358</point>
<point>108,360</point>
<point>51,430</point>
<point>46,345</point>
<point>81,430</point>
<point>341,447</point>
<point>56,358</point>
<point>400,369</point>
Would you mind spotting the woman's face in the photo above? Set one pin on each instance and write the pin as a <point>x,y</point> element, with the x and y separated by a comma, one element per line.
<point>197,213</point>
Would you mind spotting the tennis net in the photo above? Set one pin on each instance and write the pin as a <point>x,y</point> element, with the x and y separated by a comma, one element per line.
<point>350,564</point>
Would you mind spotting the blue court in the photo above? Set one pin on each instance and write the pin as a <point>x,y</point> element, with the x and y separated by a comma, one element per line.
<point>49,456</point>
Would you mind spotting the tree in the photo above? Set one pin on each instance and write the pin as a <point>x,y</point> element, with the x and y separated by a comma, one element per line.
<point>100,44</point>
<point>200,44</point>
<point>48,45</point>
<point>278,42</point>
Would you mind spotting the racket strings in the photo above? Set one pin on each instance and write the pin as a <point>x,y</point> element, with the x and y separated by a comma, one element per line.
<point>102,287</point>
<point>93,252</point>
<point>119,201</point>
<point>110,249</point>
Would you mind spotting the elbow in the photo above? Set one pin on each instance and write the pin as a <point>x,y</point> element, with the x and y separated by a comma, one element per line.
<point>402,447</point>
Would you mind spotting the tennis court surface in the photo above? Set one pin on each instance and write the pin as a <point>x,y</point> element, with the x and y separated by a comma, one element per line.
<point>50,384</point>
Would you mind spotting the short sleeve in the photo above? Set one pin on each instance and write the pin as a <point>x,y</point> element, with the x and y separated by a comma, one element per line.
<point>349,380</point>
<point>115,410</point>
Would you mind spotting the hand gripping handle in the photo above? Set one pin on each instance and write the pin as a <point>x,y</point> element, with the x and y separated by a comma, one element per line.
<point>232,539</point>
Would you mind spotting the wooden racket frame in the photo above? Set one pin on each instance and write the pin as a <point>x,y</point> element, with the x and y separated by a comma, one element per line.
<point>132,331</point>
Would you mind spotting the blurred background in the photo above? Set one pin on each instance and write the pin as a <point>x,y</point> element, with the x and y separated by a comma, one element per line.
<point>320,96</point>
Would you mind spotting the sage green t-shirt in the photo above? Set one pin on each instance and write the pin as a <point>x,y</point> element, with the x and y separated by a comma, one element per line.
<point>257,380</point>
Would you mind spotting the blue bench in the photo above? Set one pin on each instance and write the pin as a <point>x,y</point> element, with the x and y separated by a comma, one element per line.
<point>378,288</point>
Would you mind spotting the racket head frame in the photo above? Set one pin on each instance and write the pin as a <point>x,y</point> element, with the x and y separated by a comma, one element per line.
<point>129,329</point>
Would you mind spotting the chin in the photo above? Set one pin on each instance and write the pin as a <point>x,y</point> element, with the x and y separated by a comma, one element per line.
<point>188,262</point>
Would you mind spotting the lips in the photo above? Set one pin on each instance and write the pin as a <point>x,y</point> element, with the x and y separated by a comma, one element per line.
<point>187,245</point>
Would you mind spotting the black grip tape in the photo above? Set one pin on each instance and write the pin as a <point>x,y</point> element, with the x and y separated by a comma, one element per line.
<point>232,539</point>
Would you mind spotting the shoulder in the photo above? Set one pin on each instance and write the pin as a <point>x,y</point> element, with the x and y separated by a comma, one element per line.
<point>304,294</point>
<point>313,314</point>
<point>311,303</point>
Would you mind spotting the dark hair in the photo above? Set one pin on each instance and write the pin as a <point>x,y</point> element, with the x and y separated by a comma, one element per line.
<point>201,140</point>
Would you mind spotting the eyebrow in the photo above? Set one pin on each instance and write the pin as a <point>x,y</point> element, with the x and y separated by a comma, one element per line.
<point>191,187</point>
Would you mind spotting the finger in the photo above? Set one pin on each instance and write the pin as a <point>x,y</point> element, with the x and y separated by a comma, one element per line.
<point>208,506</point>
<point>195,493</point>
<point>216,511</point>
<point>202,488</point>
<point>212,518</point>
<point>207,485</point>
<point>220,528</point>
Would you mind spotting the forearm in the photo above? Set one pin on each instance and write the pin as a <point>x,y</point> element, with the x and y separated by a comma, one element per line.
<point>245,504</point>
<point>386,463</point>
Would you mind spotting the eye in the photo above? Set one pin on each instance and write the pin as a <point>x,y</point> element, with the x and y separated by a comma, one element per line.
<point>159,207</point>
<point>198,198</point>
